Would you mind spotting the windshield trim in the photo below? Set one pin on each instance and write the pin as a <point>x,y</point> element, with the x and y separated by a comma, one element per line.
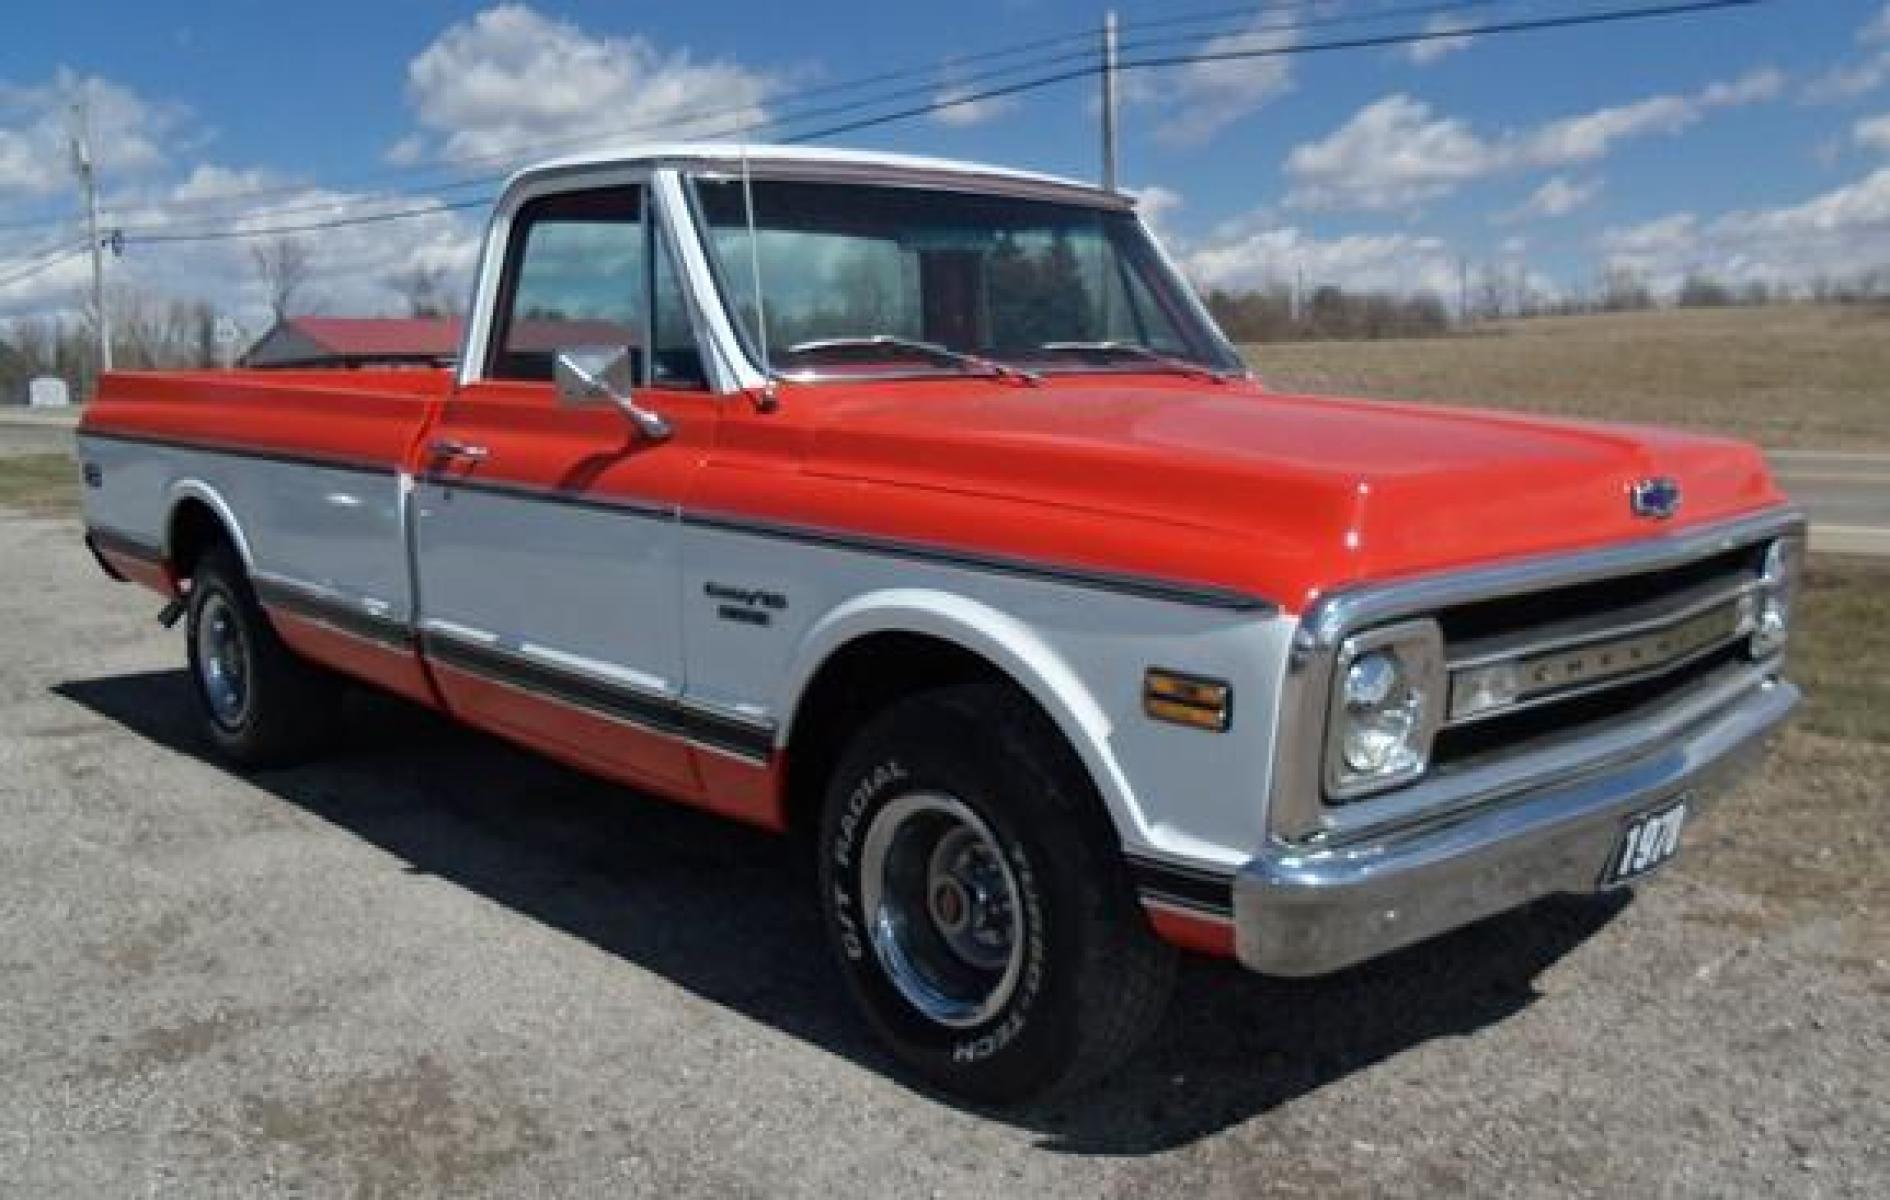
<point>1215,341</point>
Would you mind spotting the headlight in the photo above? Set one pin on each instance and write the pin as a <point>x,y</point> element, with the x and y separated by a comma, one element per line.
<point>1784,561</point>
<point>1387,692</point>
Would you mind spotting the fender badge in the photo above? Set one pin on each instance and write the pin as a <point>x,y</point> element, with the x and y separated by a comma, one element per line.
<point>1656,498</point>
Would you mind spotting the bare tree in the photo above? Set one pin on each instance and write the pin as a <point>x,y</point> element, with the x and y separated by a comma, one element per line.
<point>285,266</point>
<point>425,290</point>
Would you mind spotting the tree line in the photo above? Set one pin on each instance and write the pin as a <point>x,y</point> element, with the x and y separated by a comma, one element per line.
<point>154,331</point>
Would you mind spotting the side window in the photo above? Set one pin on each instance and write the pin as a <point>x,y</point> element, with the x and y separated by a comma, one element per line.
<point>677,359</point>
<point>575,276</point>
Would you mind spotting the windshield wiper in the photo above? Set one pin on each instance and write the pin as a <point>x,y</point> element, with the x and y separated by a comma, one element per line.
<point>1154,358</point>
<point>931,350</point>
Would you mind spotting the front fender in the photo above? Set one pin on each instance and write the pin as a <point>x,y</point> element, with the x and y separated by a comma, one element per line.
<point>1001,640</point>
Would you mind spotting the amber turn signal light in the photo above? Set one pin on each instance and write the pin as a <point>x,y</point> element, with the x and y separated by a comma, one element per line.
<point>1187,699</point>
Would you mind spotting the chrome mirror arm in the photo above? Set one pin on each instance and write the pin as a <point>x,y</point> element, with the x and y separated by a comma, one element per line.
<point>585,375</point>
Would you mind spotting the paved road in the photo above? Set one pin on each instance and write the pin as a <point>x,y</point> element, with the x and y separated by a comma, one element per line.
<point>435,966</point>
<point>1847,495</point>
<point>30,431</point>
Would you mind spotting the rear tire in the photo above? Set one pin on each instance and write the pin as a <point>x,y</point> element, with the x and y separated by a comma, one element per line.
<point>977,901</point>
<point>262,706</point>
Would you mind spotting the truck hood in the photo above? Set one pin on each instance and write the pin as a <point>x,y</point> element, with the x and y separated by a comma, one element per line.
<point>1288,496</point>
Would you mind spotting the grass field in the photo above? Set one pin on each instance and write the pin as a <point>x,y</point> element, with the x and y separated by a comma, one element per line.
<point>1796,376</point>
<point>43,484</point>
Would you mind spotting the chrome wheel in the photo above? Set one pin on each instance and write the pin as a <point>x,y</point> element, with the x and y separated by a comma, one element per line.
<point>223,660</point>
<point>942,907</point>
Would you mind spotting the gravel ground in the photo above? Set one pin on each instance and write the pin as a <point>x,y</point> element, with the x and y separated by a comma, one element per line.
<point>437,965</point>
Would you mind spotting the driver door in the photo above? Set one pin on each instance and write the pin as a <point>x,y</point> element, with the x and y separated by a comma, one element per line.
<point>546,534</point>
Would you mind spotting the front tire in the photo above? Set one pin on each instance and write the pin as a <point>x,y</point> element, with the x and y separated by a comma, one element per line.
<point>977,903</point>
<point>262,705</point>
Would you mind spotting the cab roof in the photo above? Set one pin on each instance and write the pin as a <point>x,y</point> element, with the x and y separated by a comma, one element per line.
<point>822,162</point>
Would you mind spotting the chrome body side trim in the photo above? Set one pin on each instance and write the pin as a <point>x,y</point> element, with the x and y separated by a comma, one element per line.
<point>367,620</point>
<point>1297,812</point>
<point>1309,910</point>
<point>704,726</point>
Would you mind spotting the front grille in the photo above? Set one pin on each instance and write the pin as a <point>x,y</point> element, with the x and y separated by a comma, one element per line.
<point>1586,653</point>
<point>1487,619</point>
<point>1469,745</point>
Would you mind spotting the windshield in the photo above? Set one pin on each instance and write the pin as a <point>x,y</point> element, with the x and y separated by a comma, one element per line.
<point>862,278</point>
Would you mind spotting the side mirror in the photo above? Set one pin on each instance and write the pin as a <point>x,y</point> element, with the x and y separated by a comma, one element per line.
<point>602,375</point>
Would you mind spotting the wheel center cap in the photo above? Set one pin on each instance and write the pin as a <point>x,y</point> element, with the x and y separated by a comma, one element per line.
<point>949,905</point>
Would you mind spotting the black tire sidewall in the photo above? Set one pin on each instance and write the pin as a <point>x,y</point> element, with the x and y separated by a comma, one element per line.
<point>214,579</point>
<point>1029,1041</point>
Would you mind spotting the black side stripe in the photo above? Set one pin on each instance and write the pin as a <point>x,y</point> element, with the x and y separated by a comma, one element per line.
<point>1185,887</point>
<point>657,713</point>
<point>345,617</point>
<point>327,462</point>
<point>128,544</point>
<point>526,491</point>
<point>1143,586</point>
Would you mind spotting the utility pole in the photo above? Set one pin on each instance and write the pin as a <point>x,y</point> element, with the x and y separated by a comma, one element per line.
<point>88,182</point>
<point>1463,289</point>
<point>1109,101</point>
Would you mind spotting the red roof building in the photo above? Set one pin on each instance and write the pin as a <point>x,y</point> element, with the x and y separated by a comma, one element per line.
<point>357,342</point>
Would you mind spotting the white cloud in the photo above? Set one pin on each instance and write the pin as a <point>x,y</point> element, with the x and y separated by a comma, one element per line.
<point>1837,234</point>
<point>962,113</point>
<point>1850,81</point>
<point>1203,98</point>
<point>1426,52</point>
<point>351,264</point>
<point>1264,253</point>
<point>1396,151</point>
<point>406,151</point>
<point>1393,152</point>
<point>128,131</point>
<point>1873,133</point>
<point>1557,197</point>
<point>1876,32</point>
<point>1156,205</point>
<point>513,81</point>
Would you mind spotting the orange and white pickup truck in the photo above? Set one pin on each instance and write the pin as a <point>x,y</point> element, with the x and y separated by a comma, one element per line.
<point>921,507</point>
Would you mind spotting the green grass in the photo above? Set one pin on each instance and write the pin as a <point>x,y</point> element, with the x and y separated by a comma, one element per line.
<point>1804,375</point>
<point>1840,651</point>
<point>41,484</point>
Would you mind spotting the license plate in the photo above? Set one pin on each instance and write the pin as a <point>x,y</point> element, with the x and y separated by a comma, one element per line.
<point>1646,844</point>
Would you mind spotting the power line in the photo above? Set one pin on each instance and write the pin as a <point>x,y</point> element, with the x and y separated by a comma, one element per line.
<point>42,266</point>
<point>224,235</point>
<point>1601,17</point>
<point>936,70</point>
<point>1604,17</point>
<point>936,75</point>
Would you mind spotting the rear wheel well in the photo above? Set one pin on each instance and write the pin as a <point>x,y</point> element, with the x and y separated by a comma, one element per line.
<point>859,681</point>
<point>195,527</point>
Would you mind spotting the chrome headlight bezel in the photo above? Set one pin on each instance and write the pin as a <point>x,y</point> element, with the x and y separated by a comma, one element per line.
<point>1780,571</point>
<point>1416,648</point>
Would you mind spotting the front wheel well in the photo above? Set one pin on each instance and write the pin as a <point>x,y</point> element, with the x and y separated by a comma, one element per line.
<point>854,685</point>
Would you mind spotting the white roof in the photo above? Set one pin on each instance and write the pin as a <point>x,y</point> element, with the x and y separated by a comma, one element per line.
<point>852,163</point>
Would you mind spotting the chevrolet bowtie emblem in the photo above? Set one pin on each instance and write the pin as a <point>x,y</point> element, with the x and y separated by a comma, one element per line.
<point>1656,498</point>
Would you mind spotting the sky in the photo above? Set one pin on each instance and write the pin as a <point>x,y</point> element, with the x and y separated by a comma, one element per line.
<point>1752,144</point>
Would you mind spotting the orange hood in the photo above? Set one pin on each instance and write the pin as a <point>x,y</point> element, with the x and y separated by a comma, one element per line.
<point>1288,496</point>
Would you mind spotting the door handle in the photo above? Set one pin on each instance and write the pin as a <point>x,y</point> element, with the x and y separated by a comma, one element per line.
<point>451,448</point>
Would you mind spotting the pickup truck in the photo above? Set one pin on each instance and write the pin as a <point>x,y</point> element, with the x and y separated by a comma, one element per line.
<point>920,508</point>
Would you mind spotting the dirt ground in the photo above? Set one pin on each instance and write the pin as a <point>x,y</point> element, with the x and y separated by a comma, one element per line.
<point>435,965</point>
<point>1811,376</point>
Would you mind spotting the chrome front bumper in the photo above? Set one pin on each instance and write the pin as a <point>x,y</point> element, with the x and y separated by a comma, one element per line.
<point>1306,911</point>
